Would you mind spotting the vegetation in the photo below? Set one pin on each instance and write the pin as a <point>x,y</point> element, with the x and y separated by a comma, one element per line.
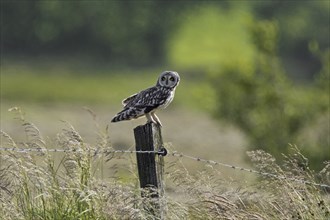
<point>34,186</point>
<point>26,82</point>
<point>262,66</point>
<point>141,33</point>
<point>266,105</point>
<point>252,86</point>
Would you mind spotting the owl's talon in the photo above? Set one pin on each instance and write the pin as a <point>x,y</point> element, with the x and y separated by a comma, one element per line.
<point>156,119</point>
<point>150,119</point>
<point>155,122</point>
<point>159,124</point>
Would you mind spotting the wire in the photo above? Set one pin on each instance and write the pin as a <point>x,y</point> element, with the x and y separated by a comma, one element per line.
<point>163,152</point>
<point>41,150</point>
<point>212,162</point>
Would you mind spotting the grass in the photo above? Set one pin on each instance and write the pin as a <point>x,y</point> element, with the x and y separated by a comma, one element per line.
<point>81,185</point>
<point>35,186</point>
<point>53,82</point>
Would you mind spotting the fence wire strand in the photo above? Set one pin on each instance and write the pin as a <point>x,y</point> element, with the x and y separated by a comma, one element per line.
<point>174,154</point>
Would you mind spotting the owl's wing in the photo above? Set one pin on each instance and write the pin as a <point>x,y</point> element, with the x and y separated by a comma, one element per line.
<point>142,103</point>
<point>129,99</point>
<point>139,98</point>
<point>148,99</point>
<point>151,98</point>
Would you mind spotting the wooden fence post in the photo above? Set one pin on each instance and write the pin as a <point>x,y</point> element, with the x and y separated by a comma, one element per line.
<point>151,167</point>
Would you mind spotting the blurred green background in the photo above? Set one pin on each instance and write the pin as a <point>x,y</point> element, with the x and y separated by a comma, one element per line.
<point>254,74</point>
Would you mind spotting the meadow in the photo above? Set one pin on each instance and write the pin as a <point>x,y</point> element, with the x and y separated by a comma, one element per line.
<point>247,132</point>
<point>75,183</point>
<point>52,92</point>
<point>50,105</point>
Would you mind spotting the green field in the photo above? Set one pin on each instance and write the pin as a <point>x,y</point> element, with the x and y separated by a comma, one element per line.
<point>59,82</point>
<point>52,92</point>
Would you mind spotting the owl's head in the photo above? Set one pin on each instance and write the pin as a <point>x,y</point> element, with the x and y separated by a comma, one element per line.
<point>169,79</point>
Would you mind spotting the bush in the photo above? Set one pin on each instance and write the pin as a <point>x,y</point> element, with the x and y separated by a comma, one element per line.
<point>270,109</point>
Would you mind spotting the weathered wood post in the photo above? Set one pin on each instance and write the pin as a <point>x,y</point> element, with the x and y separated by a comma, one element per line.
<point>151,167</point>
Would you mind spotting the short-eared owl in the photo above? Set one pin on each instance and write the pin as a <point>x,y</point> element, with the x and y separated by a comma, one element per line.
<point>148,101</point>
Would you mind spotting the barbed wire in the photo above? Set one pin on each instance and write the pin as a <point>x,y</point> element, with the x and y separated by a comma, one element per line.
<point>42,150</point>
<point>212,162</point>
<point>164,152</point>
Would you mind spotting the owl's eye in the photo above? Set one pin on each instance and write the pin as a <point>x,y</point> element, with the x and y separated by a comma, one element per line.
<point>163,78</point>
<point>172,78</point>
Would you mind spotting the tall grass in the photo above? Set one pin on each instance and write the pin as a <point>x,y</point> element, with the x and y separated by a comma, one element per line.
<point>36,186</point>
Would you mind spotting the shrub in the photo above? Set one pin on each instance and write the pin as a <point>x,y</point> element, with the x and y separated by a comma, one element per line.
<point>270,109</point>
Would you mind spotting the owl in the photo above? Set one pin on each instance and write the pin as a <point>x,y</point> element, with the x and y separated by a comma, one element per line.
<point>146,102</point>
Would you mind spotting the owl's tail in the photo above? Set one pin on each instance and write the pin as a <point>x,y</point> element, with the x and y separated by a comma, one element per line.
<point>126,114</point>
<point>116,118</point>
<point>119,117</point>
